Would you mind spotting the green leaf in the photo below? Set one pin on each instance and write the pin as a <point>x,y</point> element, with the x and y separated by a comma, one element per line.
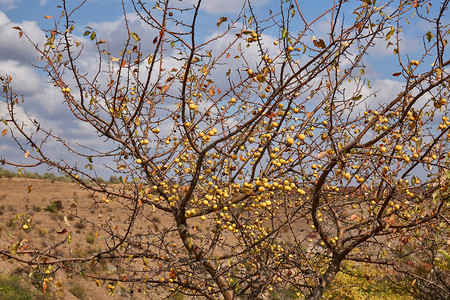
<point>390,33</point>
<point>284,33</point>
<point>90,159</point>
<point>69,239</point>
<point>87,32</point>
<point>221,20</point>
<point>93,35</point>
<point>135,36</point>
<point>356,98</point>
<point>429,36</point>
<point>14,248</point>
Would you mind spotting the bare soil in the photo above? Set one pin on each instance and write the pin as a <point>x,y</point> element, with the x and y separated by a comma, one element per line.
<point>52,210</point>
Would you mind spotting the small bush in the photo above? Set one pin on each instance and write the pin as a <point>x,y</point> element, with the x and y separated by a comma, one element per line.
<point>80,225</point>
<point>12,289</point>
<point>54,207</point>
<point>11,222</point>
<point>114,179</point>
<point>36,208</point>
<point>90,238</point>
<point>7,173</point>
<point>43,231</point>
<point>78,291</point>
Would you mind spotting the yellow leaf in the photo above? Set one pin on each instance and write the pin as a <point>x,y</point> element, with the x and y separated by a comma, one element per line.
<point>221,20</point>
<point>319,44</point>
<point>4,132</point>
<point>135,36</point>
<point>66,220</point>
<point>322,154</point>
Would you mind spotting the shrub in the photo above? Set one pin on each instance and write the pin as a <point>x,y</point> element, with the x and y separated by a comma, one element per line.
<point>90,238</point>
<point>11,288</point>
<point>54,207</point>
<point>78,291</point>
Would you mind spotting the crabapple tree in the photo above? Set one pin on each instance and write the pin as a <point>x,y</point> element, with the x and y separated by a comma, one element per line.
<point>270,147</point>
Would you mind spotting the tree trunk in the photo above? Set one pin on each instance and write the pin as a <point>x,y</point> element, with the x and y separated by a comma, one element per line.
<point>326,279</point>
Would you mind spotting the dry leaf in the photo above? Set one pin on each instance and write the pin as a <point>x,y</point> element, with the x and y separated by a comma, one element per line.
<point>322,154</point>
<point>271,114</point>
<point>48,17</point>
<point>319,44</point>
<point>66,220</point>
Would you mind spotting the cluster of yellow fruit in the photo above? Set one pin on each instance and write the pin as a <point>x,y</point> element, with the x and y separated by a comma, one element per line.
<point>253,36</point>
<point>445,122</point>
<point>438,104</point>
<point>65,90</point>
<point>144,142</point>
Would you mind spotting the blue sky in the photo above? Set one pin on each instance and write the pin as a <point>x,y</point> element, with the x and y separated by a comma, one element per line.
<point>105,16</point>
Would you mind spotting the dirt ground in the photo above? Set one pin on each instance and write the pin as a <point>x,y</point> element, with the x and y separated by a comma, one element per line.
<point>48,209</point>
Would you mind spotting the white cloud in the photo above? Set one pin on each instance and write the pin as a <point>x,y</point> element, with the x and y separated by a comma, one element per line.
<point>407,44</point>
<point>24,77</point>
<point>8,4</point>
<point>221,6</point>
<point>14,47</point>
